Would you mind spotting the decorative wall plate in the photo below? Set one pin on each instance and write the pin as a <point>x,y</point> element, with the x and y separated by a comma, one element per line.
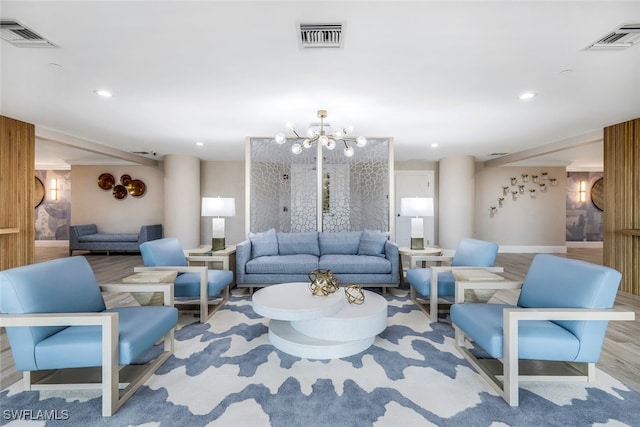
<point>125,180</point>
<point>106,181</point>
<point>119,191</point>
<point>38,194</point>
<point>597,194</point>
<point>137,188</point>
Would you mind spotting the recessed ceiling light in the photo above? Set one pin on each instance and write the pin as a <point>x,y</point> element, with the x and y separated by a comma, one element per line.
<point>527,95</point>
<point>199,143</point>
<point>104,93</point>
<point>434,145</point>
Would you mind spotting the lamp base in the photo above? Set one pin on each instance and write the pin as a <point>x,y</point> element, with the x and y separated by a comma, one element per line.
<point>217,243</point>
<point>417,243</point>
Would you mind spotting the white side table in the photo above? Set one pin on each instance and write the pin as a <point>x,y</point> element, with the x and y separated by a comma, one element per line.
<point>148,288</point>
<point>224,259</point>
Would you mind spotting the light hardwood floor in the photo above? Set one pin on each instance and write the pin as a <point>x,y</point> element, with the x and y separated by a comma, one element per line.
<point>620,356</point>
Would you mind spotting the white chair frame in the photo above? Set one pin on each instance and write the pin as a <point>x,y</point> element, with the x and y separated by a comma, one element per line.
<point>432,306</point>
<point>111,376</point>
<point>205,312</point>
<point>504,376</point>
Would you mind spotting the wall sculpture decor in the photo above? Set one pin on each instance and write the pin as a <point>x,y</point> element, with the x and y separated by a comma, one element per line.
<point>127,186</point>
<point>532,183</point>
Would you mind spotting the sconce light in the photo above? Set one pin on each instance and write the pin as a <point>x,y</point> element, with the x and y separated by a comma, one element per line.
<point>582,193</point>
<point>218,207</point>
<point>53,189</point>
<point>416,207</point>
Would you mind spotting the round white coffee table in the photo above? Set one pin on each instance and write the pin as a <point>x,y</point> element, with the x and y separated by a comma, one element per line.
<point>319,327</point>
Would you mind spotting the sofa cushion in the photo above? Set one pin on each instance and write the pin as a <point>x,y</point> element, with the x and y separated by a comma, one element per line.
<point>108,237</point>
<point>278,264</point>
<point>263,244</point>
<point>372,243</point>
<point>355,264</point>
<point>298,243</point>
<point>339,243</point>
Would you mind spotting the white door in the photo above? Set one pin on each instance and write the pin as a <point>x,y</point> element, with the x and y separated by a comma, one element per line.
<point>413,184</point>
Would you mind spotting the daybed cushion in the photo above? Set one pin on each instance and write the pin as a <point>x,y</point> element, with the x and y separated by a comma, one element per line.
<point>372,243</point>
<point>298,243</point>
<point>339,243</point>
<point>263,244</point>
<point>108,237</point>
<point>289,264</point>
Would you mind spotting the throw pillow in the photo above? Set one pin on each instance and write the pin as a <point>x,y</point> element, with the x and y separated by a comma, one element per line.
<point>372,243</point>
<point>263,244</point>
<point>298,243</point>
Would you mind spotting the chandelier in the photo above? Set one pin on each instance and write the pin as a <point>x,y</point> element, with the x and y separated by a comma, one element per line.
<point>314,134</point>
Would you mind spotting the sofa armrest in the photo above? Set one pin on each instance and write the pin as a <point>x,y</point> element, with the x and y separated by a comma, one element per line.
<point>164,287</point>
<point>497,285</point>
<point>392,253</point>
<point>243,256</point>
<point>150,232</point>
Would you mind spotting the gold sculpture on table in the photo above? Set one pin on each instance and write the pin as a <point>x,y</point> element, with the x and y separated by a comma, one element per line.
<point>322,282</point>
<point>354,294</point>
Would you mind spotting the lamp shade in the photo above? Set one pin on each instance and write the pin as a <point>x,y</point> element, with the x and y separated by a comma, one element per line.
<point>218,206</point>
<point>416,206</point>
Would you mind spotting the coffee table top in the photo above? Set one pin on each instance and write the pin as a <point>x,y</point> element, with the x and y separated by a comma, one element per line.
<point>294,301</point>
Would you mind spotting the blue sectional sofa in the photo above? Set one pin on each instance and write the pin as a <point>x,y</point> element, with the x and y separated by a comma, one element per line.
<point>362,257</point>
<point>87,238</point>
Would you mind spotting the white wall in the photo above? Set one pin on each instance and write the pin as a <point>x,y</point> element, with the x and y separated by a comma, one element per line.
<point>224,179</point>
<point>525,225</point>
<point>92,205</point>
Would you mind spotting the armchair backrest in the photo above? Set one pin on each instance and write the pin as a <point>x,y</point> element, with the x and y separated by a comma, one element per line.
<point>556,282</point>
<point>65,285</point>
<point>475,253</point>
<point>162,252</point>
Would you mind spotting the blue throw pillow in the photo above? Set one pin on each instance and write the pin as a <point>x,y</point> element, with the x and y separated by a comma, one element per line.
<point>372,243</point>
<point>263,244</point>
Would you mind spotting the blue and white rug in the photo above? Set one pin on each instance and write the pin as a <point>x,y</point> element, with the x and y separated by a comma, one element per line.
<point>226,373</point>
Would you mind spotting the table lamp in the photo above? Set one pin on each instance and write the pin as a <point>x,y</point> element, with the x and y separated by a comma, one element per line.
<point>416,207</point>
<point>218,207</point>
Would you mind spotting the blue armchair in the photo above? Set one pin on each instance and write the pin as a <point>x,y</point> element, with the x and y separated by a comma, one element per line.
<point>438,282</point>
<point>191,282</point>
<point>56,319</point>
<point>560,319</point>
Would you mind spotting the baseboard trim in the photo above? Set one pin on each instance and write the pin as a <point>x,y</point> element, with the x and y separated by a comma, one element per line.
<point>52,243</point>
<point>597,245</point>
<point>533,249</point>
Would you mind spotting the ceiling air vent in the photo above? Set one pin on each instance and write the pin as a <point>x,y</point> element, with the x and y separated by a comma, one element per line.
<point>21,36</point>
<point>320,35</point>
<point>622,38</point>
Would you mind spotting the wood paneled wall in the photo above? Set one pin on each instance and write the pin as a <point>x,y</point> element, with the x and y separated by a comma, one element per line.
<point>622,202</point>
<point>17,186</point>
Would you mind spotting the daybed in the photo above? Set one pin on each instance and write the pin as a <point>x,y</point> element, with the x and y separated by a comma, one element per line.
<point>87,238</point>
<point>363,257</point>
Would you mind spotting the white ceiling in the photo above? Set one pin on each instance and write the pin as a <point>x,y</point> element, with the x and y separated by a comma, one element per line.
<point>422,72</point>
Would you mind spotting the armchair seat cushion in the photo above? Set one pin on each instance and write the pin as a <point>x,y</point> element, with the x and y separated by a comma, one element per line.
<point>420,279</point>
<point>538,339</point>
<point>278,264</point>
<point>355,264</point>
<point>188,284</point>
<point>81,346</point>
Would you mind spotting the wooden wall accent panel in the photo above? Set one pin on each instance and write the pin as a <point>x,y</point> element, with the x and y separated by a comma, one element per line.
<point>17,186</point>
<point>622,202</point>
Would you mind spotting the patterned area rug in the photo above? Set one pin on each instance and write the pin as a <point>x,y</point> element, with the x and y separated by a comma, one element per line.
<point>226,373</point>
